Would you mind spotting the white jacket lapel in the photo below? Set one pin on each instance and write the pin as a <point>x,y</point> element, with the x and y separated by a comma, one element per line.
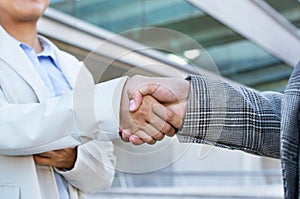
<point>14,56</point>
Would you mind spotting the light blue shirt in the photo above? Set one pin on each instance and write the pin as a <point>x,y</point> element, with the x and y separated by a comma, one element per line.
<point>51,74</point>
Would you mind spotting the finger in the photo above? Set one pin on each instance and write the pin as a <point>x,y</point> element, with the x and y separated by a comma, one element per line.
<point>125,135</point>
<point>148,88</point>
<point>153,132</point>
<point>158,136</point>
<point>160,124</point>
<point>135,140</point>
<point>41,160</point>
<point>44,155</point>
<point>162,90</point>
<point>145,137</point>
<point>167,115</point>
<point>137,97</point>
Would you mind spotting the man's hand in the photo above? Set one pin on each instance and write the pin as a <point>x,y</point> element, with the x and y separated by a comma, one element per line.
<point>172,93</point>
<point>61,159</point>
<point>166,90</point>
<point>145,123</point>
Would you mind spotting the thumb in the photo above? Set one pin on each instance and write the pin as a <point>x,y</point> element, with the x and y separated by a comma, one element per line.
<point>135,102</point>
<point>145,88</point>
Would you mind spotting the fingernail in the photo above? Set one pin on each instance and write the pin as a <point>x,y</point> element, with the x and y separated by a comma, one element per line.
<point>124,137</point>
<point>135,140</point>
<point>126,132</point>
<point>131,105</point>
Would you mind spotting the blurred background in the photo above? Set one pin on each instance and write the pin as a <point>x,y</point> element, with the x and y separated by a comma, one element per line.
<point>251,42</point>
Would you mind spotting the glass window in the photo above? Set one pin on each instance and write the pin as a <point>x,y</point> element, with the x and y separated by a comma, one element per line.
<point>236,57</point>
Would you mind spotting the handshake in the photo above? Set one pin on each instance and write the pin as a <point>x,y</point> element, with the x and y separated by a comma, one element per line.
<point>152,108</point>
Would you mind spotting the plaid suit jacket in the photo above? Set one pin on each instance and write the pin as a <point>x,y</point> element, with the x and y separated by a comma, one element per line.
<point>236,117</point>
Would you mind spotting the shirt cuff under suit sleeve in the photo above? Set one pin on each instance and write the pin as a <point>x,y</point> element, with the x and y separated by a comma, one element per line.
<point>107,112</point>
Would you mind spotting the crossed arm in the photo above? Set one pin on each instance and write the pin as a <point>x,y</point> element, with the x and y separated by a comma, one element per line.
<point>157,111</point>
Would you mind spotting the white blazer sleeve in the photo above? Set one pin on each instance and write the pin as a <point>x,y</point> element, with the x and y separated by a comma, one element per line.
<point>94,168</point>
<point>61,122</point>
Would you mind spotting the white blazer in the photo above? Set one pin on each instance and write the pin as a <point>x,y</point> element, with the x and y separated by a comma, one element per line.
<point>31,122</point>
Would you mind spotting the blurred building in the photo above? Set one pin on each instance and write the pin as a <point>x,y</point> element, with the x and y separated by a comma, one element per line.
<point>250,42</point>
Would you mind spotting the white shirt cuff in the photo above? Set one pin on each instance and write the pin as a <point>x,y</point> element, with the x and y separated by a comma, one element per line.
<point>107,112</point>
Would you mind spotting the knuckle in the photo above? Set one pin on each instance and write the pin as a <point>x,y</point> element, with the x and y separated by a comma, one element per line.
<point>152,142</point>
<point>149,140</point>
<point>171,132</point>
<point>169,115</point>
<point>158,136</point>
<point>166,128</point>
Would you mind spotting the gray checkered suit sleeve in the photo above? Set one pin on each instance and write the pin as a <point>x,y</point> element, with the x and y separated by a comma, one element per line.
<point>232,116</point>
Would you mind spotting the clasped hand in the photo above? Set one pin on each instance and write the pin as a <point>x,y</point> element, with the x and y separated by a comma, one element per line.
<point>152,108</point>
<point>61,159</point>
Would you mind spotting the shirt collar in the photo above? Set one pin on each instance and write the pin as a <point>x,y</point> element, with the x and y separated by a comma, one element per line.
<point>48,49</point>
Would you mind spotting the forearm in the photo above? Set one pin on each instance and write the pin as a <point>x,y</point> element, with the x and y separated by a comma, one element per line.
<point>94,168</point>
<point>232,116</point>
<point>61,122</point>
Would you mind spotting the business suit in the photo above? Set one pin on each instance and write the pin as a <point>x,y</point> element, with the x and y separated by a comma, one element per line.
<point>235,117</point>
<point>31,123</point>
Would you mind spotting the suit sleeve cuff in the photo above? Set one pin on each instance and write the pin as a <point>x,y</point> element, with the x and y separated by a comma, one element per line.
<point>107,112</point>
